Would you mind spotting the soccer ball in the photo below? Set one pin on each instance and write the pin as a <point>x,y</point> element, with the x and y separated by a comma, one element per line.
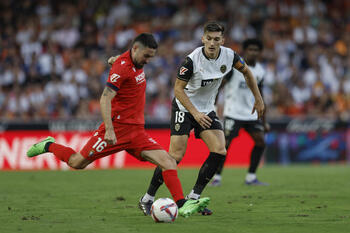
<point>164,210</point>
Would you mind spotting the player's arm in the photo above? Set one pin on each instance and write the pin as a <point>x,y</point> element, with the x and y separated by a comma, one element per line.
<point>240,65</point>
<point>106,111</point>
<point>184,75</point>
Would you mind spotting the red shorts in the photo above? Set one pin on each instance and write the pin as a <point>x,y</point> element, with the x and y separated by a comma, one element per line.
<point>131,138</point>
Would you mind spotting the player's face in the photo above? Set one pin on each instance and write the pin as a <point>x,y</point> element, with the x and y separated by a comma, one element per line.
<point>212,42</point>
<point>252,53</point>
<point>142,55</point>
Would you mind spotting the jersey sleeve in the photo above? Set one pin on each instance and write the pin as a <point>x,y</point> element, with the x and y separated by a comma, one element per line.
<point>238,62</point>
<point>185,72</point>
<point>116,77</point>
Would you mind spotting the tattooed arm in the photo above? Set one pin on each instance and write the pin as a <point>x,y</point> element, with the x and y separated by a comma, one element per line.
<point>106,110</point>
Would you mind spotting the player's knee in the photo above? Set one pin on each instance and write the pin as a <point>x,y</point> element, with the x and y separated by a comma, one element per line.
<point>177,154</point>
<point>76,162</point>
<point>169,163</point>
<point>220,150</point>
<point>76,165</point>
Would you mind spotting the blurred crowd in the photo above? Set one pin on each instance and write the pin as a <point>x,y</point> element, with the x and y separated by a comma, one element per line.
<point>53,53</point>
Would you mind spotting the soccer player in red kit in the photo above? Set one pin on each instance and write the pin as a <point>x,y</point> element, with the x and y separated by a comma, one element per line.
<point>122,106</point>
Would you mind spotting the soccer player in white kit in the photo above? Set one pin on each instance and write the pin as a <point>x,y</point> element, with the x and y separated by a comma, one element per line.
<point>198,80</point>
<point>238,102</point>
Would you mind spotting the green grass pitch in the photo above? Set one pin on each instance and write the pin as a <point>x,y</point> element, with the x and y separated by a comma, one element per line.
<point>299,199</point>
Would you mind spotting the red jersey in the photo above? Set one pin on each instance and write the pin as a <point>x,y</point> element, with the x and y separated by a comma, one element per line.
<point>130,83</point>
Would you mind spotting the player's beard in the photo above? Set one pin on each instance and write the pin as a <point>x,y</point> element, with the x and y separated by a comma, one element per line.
<point>138,65</point>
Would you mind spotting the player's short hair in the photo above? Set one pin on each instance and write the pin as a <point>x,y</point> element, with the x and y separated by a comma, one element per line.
<point>147,40</point>
<point>253,41</point>
<point>213,26</point>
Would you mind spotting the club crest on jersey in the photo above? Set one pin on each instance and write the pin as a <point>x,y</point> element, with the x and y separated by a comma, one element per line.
<point>177,126</point>
<point>206,82</point>
<point>223,68</point>
<point>114,77</point>
<point>140,78</point>
<point>183,70</point>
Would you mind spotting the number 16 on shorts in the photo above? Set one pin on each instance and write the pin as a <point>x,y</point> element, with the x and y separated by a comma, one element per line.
<point>99,145</point>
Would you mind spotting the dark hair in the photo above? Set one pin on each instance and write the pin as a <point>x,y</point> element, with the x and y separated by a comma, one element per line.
<point>213,26</point>
<point>147,40</point>
<point>253,41</point>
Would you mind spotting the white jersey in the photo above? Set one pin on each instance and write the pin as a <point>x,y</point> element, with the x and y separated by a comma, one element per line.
<point>204,77</point>
<point>238,98</point>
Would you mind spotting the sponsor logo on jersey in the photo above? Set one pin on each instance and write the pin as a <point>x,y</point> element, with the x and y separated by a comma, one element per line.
<point>122,63</point>
<point>206,82</point>
<point>152,140</point>
<point>114,77</point>
<point>183,70</point>
<point>91,153</point>
<point>223,68</point>
<point>140,78</point>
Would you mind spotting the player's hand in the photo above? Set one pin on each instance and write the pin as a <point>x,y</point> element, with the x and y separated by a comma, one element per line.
<point>259,107</point>
<point>203,120</point>
<point>110,137</point>
<point>112,59</point>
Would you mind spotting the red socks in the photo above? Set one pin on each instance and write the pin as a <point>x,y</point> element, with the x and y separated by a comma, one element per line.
<point>173,183</point>
<point>61,152</point>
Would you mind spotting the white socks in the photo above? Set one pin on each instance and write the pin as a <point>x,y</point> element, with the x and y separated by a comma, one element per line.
<point>147,198</point>
<point>217,177</point>
<point>250,177</point>
<point>193,195</point>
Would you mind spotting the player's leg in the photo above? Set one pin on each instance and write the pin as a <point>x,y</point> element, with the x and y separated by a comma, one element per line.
<point>64,153</point>
<point>231,129</point>
<point>257,135</point>
<point>168,165</point>
<point>215,141</point>
<point>180,127</point>
<point>217,178</point>
<point>177,150</point>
